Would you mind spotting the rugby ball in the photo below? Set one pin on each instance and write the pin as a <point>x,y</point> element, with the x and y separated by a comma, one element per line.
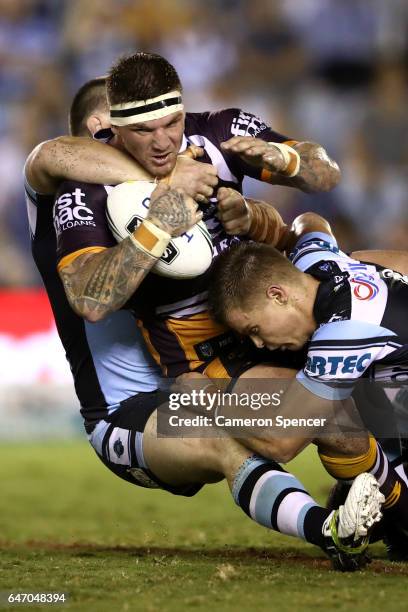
<point>186,256</point>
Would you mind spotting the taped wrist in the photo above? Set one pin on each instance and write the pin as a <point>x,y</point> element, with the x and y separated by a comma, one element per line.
<point>266,223</point>
<point>291,159</point>
<point>150,239</point>
<point>190,153</point>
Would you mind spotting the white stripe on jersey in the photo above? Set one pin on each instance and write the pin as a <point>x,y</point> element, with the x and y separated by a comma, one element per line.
<point>31,204</point>
<point>216,157</point>
<point>32,215</point>
<point>97,436</point>
<point>118,450</point>
<point>181,308</point>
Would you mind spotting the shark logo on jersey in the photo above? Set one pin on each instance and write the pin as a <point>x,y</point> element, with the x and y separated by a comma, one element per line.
<point>325,267</point>
<point>364,288</point>
<point>118,447</point>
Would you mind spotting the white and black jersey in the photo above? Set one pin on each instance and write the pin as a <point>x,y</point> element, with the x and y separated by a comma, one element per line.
<point>361,312</point>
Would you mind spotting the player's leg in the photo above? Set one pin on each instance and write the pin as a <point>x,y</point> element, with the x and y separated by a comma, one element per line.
<point>346,457</point>
<point>128,444</point>
<point>261,487</point>
<point>267,493</point>
<point>384,458</point>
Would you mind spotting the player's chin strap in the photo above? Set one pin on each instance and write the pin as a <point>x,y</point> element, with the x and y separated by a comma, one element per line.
<point>128,113</point>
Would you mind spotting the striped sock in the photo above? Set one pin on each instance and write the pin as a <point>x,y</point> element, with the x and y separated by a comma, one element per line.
<point>276,499</point>
<point>392,486</point>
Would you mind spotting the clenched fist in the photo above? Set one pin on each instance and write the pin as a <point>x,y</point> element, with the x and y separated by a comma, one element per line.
<point>195,178</point>
<point>233,211</point>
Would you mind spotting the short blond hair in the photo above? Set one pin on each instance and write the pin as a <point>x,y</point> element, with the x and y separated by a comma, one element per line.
<point>241,274</point>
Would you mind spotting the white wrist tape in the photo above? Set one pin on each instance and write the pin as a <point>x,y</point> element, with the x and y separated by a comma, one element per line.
<point>290,156</point>
<point>150,239</point>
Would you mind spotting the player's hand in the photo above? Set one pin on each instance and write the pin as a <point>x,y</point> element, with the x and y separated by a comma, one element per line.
<point>256,152</point>
<point>172,210</point>
<point>196,178</point>
<point>233,211</point>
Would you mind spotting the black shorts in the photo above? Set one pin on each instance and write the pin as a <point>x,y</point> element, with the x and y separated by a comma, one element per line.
<point>118,442</point>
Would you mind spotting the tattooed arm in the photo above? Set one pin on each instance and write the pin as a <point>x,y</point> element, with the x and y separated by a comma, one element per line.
<point>88,161</point>
<point>79,159</point>
<point>317,171</point>
<point>97,284</point>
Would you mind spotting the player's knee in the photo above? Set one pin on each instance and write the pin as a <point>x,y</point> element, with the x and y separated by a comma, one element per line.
<point>344,446</point>
<point>355,447</point>
<point>224,453</point>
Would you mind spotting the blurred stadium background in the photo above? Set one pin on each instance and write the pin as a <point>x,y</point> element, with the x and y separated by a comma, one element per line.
<point>326,70</point>
<point>334,71</point>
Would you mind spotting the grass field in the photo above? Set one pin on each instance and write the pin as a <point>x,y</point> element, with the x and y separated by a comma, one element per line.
<point>68,525</point>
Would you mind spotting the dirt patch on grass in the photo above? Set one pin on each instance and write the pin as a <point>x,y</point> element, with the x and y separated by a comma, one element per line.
<point>222,554</point>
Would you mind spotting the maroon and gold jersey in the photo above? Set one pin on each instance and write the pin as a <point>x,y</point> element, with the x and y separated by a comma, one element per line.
<point>173,313</point>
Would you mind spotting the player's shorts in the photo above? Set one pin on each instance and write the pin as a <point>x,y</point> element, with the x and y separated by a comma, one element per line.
<point>196,344</point>
<point>118,442</point>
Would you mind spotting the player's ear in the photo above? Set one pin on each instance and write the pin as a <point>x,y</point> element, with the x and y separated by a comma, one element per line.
<point>277,294</point>
<point>94,123</point>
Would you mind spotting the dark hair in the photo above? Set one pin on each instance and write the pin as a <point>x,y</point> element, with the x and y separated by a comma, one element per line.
<point>89,98</point>
<point>141,76</point>
<point>242,273</point>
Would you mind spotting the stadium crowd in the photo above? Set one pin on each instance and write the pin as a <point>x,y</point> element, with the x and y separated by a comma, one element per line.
<point>332,71</point>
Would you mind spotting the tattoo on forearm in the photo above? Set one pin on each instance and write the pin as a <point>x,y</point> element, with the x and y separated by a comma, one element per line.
<point>318,172</point>
<point>101,284</point>
<point>171,210</point>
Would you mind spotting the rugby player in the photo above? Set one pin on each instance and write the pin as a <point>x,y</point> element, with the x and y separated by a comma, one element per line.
<point>149,122</point>
<point>153,132</point>
<point>350,314</point>
<point>107,367</point>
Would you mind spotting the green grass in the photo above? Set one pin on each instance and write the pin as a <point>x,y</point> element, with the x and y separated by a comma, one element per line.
<point>67,524</point>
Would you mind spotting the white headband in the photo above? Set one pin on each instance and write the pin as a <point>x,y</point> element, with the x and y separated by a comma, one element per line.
<point>146,110</point>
